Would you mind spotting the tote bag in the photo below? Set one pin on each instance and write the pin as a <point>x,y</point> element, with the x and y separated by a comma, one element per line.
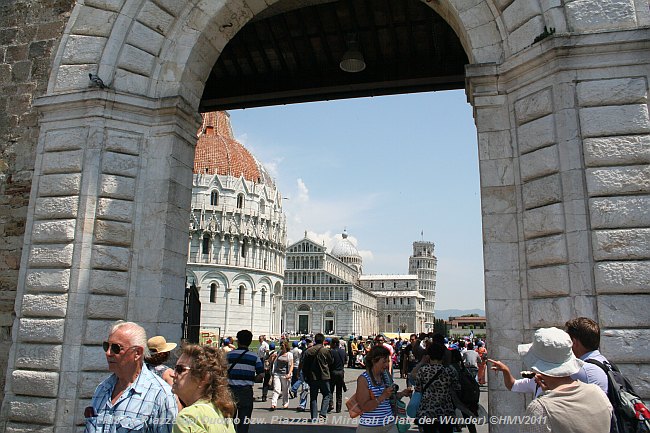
<point>414,404</point>
<point>354,409</point>
<point>403,424</point>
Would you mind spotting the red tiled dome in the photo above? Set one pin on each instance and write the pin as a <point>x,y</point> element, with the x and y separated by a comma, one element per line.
<point>217,151</point>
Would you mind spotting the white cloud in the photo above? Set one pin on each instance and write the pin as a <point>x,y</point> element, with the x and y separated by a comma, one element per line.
<point>367,256</point>
<point>324,220</point>
<point>243,138</point>
<point>303,192</point>
<point>273,167</point>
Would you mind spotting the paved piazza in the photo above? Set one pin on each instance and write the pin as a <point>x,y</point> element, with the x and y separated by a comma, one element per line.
<point>279,420</point>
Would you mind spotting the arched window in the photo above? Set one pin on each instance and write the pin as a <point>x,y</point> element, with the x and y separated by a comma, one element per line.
<point>243,249</point>
<point>214,198</point>
<point>205,247</point>
<point>240,201</point>
<point>263,298</point>
<point>389,318</point>
<point>262,206</point>
<point>242,291</point>
<point>213,292</point>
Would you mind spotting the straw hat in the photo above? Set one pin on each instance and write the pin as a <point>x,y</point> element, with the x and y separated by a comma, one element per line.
<point>158,344</point>
<point>550,353</point>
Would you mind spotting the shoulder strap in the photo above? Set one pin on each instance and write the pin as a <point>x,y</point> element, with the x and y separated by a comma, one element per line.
<point>435,376</point>
<point>598,363</point>
<point>236,361</point>
<point>613,384</point>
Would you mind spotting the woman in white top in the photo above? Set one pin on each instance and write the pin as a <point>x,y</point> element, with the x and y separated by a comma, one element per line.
<point>567,406</point>
<point>282,372</point>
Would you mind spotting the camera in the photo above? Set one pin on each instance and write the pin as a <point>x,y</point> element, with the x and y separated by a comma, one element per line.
<point>528,374</point>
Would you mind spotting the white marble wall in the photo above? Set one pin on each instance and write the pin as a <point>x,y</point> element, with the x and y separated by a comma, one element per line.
<point>564,180</point>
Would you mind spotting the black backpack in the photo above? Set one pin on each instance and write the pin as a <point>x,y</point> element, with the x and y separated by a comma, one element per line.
<point>470,392</point>
<point>630,413</point>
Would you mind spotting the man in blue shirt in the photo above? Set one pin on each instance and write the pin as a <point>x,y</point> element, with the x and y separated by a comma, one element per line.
<point>245,369</point>
<point>585,335</point>
<point>132,398</point>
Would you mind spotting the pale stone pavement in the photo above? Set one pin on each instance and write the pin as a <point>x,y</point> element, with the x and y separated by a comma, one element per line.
<point>282,420</point>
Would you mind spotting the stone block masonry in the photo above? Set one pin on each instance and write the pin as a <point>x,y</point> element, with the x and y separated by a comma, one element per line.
<point>30,31</point>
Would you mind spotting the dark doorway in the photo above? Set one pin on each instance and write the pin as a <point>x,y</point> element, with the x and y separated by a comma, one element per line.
<point>191,314</point>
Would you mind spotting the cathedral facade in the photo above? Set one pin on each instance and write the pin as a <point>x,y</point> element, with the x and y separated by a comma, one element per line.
<point>327,292</point>
<point>237,235</point>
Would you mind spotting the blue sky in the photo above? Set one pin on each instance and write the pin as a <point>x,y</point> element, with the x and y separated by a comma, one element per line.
<point>386,168</point>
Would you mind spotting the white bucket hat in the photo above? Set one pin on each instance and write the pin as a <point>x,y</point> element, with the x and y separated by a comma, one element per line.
<point>550,353</point>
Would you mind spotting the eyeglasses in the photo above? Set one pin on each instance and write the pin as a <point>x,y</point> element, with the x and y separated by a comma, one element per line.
<point>180,368</point>
<point>116,348</point>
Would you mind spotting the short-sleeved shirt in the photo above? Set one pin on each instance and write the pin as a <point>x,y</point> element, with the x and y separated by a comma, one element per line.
<point>526,385</point>
<point>591,373</point>
<point>201,417</point>
<point>436,398</point>
<point>146,406</point>
<point>261,351</point>
<point>296,352</point>
<point>281,364</point>
<point>246,367</point>
<point>471,358</point>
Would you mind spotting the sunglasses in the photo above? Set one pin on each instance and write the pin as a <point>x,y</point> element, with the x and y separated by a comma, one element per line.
<point>180,368</point>
<point>116,349</point>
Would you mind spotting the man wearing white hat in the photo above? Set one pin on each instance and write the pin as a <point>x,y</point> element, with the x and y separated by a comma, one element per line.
<point>568,405</point>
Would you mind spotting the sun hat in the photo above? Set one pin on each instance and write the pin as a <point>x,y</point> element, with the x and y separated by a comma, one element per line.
<point>158,344</point>
<point>550,353</point>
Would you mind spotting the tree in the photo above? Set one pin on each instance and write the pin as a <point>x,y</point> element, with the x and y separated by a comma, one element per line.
<point>440,327</point>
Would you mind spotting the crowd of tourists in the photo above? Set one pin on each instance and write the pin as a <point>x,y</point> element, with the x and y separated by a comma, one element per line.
<point>211,388</point>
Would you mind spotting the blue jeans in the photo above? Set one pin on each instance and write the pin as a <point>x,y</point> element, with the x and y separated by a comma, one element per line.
<point>305,390</point>
<point>322,386</point>
<point>296,384</point>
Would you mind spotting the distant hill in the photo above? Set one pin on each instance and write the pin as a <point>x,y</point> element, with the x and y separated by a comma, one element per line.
<point>445,314</point>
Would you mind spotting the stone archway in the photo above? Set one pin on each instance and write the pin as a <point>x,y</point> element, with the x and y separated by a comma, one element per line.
<point>563,135</point>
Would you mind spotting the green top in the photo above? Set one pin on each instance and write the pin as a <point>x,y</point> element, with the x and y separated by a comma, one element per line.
<point>202,417</point>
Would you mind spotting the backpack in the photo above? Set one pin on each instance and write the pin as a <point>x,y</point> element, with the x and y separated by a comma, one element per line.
<point>470,392</point>
<point>630,413</point>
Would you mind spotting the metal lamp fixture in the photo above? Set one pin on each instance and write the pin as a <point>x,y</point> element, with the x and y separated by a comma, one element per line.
<point>352,60</point>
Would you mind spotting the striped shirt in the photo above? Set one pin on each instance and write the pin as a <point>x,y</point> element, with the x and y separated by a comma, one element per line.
<point>146,406</point>
<point>245,369</point>
<point>383,414</point>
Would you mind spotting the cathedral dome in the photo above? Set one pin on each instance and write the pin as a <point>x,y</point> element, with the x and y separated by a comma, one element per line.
<point>345,251</point>
<point>217,151</point>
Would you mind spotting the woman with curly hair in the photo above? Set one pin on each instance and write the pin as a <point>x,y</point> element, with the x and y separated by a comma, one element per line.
<point>201,382</point>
